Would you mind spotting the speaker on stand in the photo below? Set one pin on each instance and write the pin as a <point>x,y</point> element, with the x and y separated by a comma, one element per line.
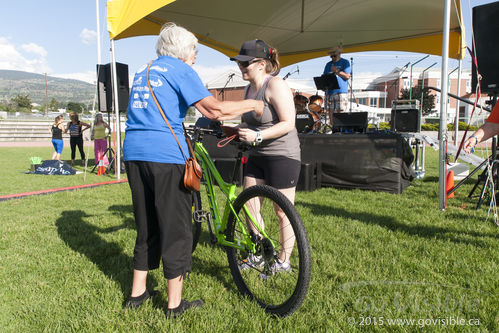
<point>105,99</point>
<point>486,46</point>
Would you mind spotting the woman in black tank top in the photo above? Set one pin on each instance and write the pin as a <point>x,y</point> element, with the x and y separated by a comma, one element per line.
<point>76,128</point>
<point>275,161</point>
<point>56,129</point>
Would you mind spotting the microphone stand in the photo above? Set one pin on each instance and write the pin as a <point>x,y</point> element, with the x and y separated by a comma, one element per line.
<point>290,73</point>
<point>351,83</point>
<point>222,92</point>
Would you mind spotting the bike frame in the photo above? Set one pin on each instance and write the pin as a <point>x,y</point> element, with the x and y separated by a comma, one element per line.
<point>211,173</point>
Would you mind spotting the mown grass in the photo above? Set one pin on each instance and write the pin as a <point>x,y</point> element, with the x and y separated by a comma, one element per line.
<point>15,163</point>
<point>67,262</point>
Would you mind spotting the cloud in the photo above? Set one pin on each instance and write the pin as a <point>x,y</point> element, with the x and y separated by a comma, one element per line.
<point>89,77</point>
<point>34,48</point>
<point>88,36</point>
<point>208,74</point>
<point>14,58</point>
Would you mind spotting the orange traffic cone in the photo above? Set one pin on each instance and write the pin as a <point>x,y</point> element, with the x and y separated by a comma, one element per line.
<point>449,184</point>
<point>102,169</point>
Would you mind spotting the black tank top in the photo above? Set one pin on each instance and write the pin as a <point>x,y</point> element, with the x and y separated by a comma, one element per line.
<point>56,132</point>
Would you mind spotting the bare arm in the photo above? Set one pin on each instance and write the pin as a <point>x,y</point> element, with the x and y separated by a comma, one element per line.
<point>342,74</point>
<point>485,132</point>
<point>280,96</point>
<point>87,126</point>
<point>214,109</point>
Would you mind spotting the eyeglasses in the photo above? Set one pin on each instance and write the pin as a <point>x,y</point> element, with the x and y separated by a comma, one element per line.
<point>335,55</point>
<point>247,63</point>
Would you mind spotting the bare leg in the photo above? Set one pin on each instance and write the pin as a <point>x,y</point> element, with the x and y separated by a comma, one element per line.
<point>139,282</point>
<point>175,291</point>
<point>254,204</point>
<point>287,235</point>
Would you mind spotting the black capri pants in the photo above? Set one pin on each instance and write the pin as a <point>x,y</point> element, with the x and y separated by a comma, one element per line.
<point>163,211</point>
<point>76,141</point>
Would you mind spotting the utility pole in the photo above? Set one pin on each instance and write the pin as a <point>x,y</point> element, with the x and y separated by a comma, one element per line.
<point>46,97</point>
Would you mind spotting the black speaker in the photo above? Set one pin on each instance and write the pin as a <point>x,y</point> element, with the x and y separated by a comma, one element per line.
<point>405,120</point>
<point>304,122</point>
<point>350,122</point>
<point>486,46</point>
<point>105,87</point>
<point>309,179</point>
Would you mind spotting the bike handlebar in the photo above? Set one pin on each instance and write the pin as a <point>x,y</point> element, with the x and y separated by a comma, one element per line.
<point>196,133</point>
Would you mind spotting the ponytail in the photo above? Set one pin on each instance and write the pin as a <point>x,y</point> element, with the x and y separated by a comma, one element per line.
<point>273,67</point>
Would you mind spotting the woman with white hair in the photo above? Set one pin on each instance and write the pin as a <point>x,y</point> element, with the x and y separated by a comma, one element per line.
<point>100,139</point>
<point>155,163</point>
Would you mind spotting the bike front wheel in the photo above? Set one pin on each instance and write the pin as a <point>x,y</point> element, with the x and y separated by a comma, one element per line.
<point>277,274</point>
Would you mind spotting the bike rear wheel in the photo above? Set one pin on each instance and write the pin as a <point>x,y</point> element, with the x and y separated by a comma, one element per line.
<point>196,220</point>
<point>262,275</point>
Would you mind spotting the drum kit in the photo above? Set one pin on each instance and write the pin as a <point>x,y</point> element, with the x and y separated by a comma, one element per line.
<point>311,117</point>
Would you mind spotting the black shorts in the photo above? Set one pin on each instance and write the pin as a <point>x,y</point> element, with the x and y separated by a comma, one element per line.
<point>278,171</point>
<point>163,215</point>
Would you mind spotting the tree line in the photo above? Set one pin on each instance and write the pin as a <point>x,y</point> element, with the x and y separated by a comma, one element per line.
<point>23,103</point>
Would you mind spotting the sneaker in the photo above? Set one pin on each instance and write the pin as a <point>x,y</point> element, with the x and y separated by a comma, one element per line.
<point>135,302</point>
<point>251,261</point>
<point>183,306</point>
<point>277,267</point>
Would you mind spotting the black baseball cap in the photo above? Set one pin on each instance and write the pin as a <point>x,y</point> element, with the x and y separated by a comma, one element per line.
<point>253,49</point>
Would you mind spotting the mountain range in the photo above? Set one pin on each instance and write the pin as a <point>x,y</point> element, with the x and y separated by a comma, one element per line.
<point>13,83</point>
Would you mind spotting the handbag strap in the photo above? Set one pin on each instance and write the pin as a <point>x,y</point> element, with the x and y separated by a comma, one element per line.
<point>166,120</point>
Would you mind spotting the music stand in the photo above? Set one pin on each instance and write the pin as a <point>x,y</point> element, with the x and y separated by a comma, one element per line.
<point>326,82</point>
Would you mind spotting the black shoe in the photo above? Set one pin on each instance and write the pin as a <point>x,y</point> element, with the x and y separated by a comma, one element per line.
<point>135,302</point>
<point>184,306</point>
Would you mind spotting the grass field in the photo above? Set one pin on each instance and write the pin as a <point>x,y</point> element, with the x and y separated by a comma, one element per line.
<point>381,262</point>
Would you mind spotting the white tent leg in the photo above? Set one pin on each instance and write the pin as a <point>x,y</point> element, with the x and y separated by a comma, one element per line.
<point>117,154</point>
<point>442,195</point>
<point>456,122</point>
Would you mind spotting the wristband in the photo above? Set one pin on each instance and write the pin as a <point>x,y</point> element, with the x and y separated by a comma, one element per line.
<point>258,137</point>
<point>476,139</point>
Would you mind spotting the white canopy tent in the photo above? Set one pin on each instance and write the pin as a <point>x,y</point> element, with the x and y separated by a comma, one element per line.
<point>305,29</point>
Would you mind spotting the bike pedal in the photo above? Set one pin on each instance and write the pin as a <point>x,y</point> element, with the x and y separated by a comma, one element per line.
<point>200,216</point>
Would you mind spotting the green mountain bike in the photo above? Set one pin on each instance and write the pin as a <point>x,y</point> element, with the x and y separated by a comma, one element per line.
<point>264,237</point>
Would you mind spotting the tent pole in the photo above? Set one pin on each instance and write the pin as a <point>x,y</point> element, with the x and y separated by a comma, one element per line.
<point>97,16</point>
<point>458,93</point>
<point>442,132</point>
<point>117,154</point>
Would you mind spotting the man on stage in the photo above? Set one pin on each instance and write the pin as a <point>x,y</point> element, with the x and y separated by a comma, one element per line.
<point>338,98</point>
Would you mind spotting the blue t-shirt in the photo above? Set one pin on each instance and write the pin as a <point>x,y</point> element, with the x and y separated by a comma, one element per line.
<point>344,66</point>
<point>147,136</point>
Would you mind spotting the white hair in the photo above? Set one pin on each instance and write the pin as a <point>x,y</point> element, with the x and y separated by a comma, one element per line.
<point>175,41</point>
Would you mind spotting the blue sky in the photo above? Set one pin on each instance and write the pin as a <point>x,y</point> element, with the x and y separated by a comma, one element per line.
<point>59,38</point>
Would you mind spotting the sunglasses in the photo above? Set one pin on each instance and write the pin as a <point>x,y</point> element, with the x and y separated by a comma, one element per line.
<point>247,63</point>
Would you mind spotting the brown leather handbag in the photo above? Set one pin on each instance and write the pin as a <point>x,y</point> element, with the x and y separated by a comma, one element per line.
<point>193,171</point>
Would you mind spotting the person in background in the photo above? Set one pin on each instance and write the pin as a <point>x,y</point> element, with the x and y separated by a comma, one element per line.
<point>155,165</point>
<point>275,160</point>
<point>76,128</point>
<point>100,139</point>
<point>56,129</point>
<point>338,98</point>
<point>485,132</point>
